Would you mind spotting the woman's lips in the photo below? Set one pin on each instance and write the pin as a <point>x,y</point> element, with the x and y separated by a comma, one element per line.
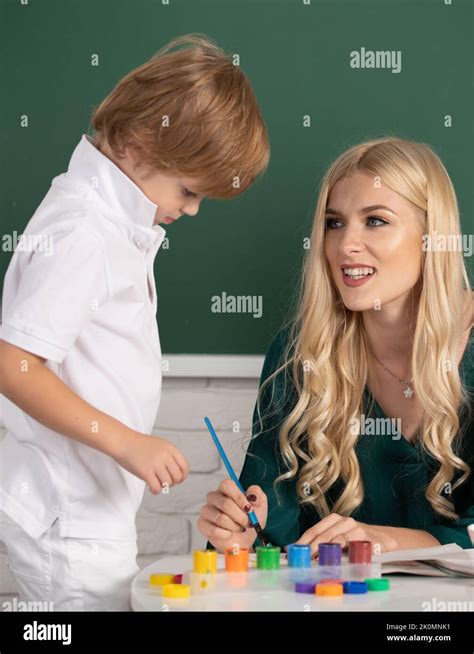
<point>357,282</point>
<point>168,220</point>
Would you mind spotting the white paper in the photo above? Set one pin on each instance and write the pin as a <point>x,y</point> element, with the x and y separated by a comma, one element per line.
<point>419,554</point>
<point>451,557</point>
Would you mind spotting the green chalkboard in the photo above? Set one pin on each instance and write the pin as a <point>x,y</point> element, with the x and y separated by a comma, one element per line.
<point>297,55</point>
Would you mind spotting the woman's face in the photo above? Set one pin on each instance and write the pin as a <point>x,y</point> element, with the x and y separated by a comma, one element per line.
<point>368,223</point>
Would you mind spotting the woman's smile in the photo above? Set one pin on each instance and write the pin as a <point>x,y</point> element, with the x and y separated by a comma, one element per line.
<point>357,280</point>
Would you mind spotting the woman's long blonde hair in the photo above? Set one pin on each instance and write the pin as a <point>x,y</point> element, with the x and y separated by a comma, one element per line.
<point>326,356</point>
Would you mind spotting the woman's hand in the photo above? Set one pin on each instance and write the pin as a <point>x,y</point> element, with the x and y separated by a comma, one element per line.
<point>224,520</point>
<point>336,528</point>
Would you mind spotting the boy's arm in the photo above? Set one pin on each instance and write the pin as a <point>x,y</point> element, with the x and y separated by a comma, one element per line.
<point>28,383</point>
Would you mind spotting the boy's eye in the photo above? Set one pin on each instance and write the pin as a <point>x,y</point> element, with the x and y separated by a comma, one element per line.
<point>330,221</point>
<point>188,194</point>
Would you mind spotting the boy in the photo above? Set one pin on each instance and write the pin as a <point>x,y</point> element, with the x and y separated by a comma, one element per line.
<point>80,355</point>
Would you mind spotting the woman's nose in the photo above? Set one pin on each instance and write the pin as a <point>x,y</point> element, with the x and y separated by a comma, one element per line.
<point>350,239</point>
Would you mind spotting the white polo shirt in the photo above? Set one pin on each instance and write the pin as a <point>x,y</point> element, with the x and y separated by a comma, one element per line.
<point>84,298</point>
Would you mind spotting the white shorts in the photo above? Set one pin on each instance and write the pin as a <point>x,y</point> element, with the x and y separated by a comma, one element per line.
<point>70,574</point>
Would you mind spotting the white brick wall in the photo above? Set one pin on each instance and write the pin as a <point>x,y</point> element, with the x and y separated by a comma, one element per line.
<point>166,523</point>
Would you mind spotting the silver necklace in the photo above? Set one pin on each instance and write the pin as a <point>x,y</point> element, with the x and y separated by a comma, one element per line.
<point>408,392</point>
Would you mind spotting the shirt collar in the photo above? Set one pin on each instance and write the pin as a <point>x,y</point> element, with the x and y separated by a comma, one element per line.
<point>119,196</point>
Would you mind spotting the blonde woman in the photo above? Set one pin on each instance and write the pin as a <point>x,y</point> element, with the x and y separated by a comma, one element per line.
<point>362,426</point>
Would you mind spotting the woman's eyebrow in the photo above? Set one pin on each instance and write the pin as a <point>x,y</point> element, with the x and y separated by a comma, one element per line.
<point>373,207</point>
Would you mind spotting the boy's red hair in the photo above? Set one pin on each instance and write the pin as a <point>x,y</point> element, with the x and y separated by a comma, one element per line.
<point>216,132</point>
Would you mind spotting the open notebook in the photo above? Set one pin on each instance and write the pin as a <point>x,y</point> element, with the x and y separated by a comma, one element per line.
<point>441,561</point>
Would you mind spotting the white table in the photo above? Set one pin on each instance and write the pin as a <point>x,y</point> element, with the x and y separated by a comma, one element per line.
<point>407,593</point>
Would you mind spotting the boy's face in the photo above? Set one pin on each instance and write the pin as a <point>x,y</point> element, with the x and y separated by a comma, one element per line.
<point>174,196</point>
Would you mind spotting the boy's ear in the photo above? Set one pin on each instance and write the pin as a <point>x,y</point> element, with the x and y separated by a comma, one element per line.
<point>135,159</point>
<point>131,153</point>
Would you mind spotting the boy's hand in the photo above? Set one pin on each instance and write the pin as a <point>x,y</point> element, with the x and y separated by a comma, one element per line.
<point>224,520</point>
<point>155,460</point>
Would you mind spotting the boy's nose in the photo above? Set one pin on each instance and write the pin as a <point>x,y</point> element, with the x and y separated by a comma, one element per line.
<point>191,209</point>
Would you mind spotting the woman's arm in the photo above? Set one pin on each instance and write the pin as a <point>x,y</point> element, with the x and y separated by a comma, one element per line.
<point>335,528</point>
<point>263,462</point>
<point>446,531</point>
<point>261,467</point>
<point>406,539</point>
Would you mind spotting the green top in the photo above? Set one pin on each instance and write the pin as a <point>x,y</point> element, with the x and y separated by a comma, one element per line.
<point>393,471</point>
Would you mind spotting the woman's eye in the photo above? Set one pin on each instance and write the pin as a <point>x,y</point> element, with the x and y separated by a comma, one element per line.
<point>384,222</point>
<point>330,222</point>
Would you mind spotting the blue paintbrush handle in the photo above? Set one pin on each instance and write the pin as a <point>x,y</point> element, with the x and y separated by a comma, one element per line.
<point>253,518</point>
